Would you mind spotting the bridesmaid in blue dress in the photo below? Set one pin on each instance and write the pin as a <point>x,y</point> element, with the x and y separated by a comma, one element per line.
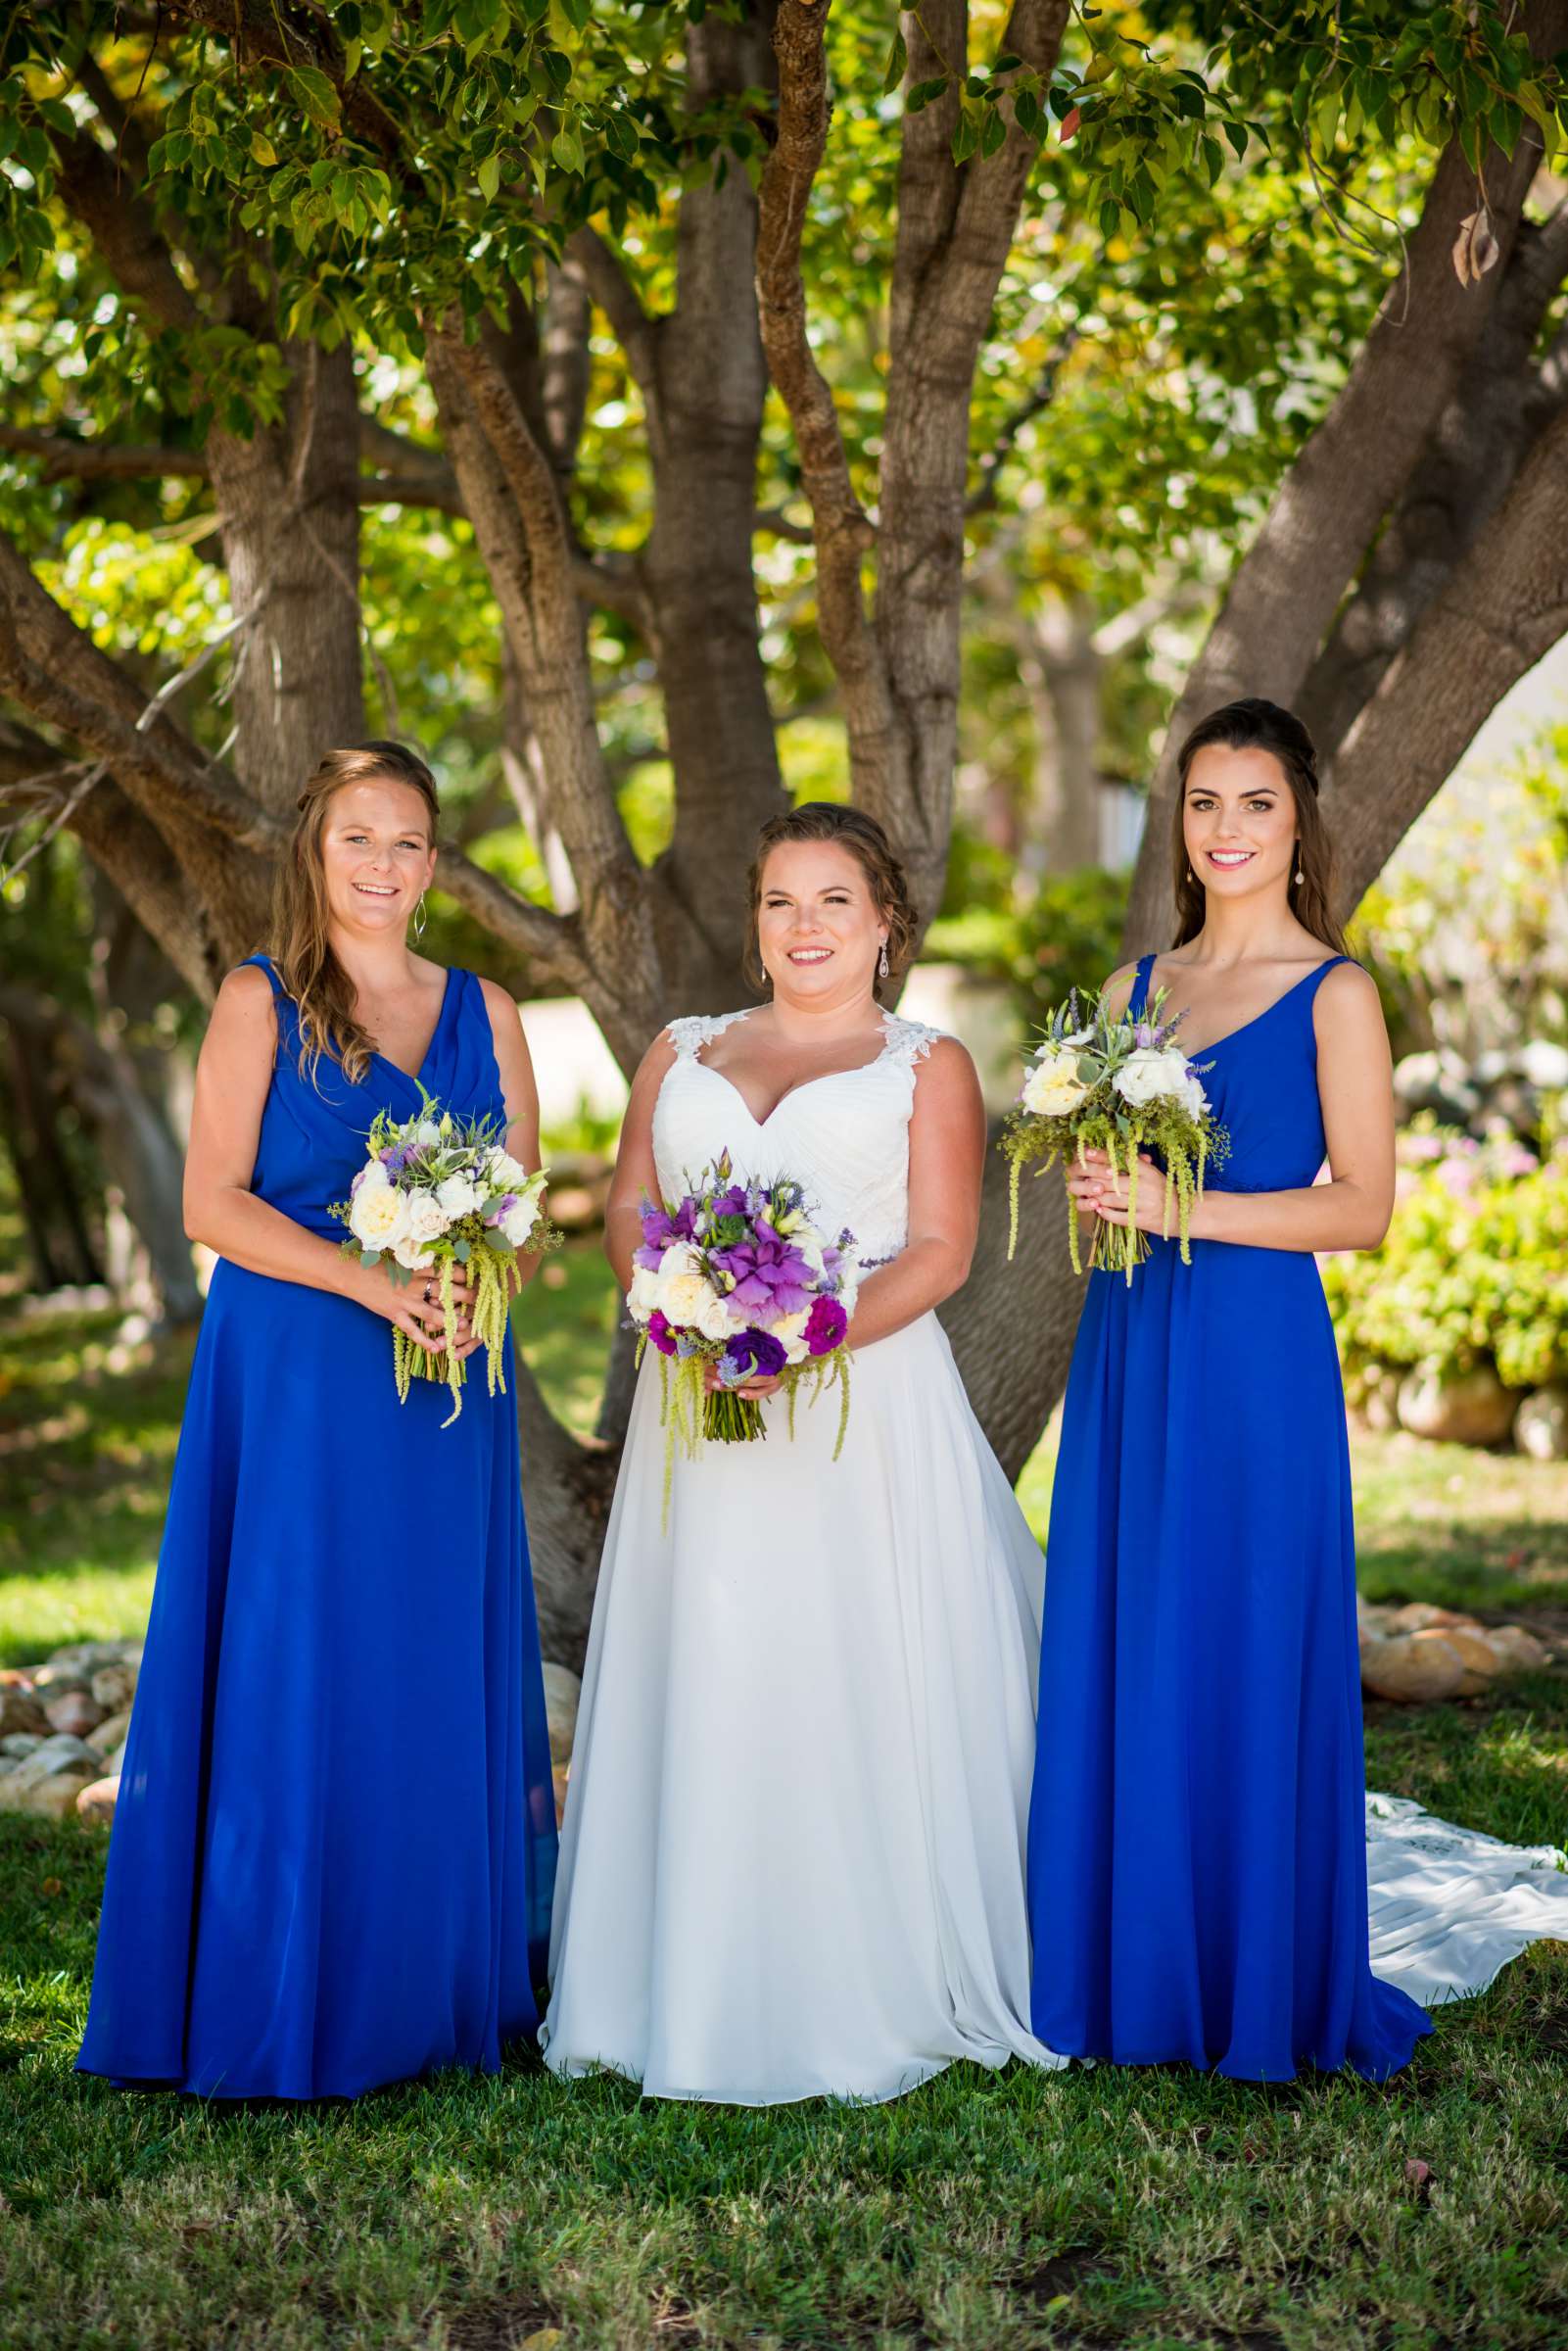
<point>1197,1842</point>
<point>335,1840</point>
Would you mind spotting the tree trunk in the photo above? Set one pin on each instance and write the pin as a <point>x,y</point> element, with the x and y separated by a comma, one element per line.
<point>290,528</point>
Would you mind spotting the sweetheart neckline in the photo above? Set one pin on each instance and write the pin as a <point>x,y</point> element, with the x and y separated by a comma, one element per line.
<point>823,1077</point>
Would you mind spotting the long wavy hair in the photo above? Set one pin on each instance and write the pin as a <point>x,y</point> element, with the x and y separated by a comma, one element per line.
<point>302,944</point>
<point>1254,725</point>
<point>863,836</point>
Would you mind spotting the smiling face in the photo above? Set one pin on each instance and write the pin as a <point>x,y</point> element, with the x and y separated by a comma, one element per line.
<point>1238,822</point>
<point>818,925</point>
<point>376,854</point>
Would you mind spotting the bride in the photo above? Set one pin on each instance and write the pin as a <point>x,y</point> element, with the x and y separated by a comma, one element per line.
<point>792,1857</point>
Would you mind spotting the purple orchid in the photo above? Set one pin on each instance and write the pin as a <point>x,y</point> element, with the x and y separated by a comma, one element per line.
<point>660,1333</point>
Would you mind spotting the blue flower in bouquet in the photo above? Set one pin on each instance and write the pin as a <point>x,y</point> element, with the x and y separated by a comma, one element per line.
<point>750,1354</point>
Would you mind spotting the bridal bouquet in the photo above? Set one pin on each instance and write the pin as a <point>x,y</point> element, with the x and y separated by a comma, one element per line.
<point>1106,1081</point>
<point>736,1276</point>
<point>435,1193</point>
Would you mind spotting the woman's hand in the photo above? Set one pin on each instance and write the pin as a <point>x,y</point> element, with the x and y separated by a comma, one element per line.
<point>415,1307</point>
<point>1101,1190</point>
<point>755,1389</point>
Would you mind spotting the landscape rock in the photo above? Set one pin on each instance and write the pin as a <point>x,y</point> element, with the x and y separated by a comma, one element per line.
<point>563,1690</point>
<point>86,1656</point>
<point>17,1744</point>
<point>96,1802</point>
<point>113,1687</point>
<point>1483,1661</point>
<point>110,1736</point>
<point>1541,1424</point>
<point>1412,1668</point>
<point>60,1674</point>
<point>1423,1616</point>
<point>1457,1408</point>
<point>75,1711</point>
<point>48,1779</point>
<point>1519,1649</point>
<point>20,1711</point>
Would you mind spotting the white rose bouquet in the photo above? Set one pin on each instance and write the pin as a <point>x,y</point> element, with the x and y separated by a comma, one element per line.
<point>438,1192</point>
<point>1106,1081</point>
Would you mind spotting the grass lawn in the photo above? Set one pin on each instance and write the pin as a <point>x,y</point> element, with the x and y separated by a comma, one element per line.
<point>984,2212</point>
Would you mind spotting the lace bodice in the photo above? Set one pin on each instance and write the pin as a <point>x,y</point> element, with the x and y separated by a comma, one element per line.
<point>844,1137</point>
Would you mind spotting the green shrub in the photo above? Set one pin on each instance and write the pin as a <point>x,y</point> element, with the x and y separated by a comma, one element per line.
<point>1474,1269</point>
<point>1067,935</point>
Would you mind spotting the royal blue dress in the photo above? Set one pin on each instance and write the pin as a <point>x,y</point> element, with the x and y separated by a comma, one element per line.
<point>335,1840</point>
<point>1196,1848</point>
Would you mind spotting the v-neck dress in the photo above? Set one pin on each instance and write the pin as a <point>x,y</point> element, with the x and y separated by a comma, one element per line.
<point>1198,1858</point>
<point>334,1846</point>
<point>792,1857</point>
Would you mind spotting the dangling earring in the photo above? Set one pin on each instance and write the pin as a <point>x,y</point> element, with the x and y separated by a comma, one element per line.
<point>1191,876</point>
<point>420,916</point>
<point>881,965</point>
<point>1300,876</point>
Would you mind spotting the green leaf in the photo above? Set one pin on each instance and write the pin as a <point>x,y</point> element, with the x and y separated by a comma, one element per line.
<point>488,176</point>
<point>924,92</point>
<point>262,149</point>
<point>897,61</point>
<point>993,131</point>
<point>315,95</point>
<point>567,148</point>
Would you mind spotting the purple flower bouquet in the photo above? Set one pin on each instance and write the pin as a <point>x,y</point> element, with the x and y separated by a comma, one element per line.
<point>736,1276</point>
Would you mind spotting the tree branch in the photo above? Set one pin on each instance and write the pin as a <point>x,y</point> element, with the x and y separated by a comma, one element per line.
<point>552,943</point>
<point>636,332</point>
<point>290,32</point>
<point>840,527</point>
<point>1284,594</point>
<point>1505,607</point>
<point>1473,453</point>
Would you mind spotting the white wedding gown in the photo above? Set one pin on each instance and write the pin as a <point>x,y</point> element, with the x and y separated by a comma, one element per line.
<point>792,1858</point>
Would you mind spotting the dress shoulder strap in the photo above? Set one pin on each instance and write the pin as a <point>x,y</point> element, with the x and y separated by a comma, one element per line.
<point>1138,1001</point>
<point>694,1030</point>
<point>264,963</point>
<point>908,1042</point>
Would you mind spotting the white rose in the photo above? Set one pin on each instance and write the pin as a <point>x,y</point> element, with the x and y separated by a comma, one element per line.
<point>520,1223</point>
<point>1053,1087</point>
<point>412,1251</point>
<point>680,1258</point>
<point>427,1132</point>
<point>715,1321</point>
<point>644,1295</point>
<point>506,1174</point>
<point>427,1219</point>
<point>687,1298</point>
<point>457,1196</point>
<point>789,1331</point>
<point>378,1216</point>
<point>810,1248</point>
<point>1192,1093</point>
<point>1149,1075</point>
